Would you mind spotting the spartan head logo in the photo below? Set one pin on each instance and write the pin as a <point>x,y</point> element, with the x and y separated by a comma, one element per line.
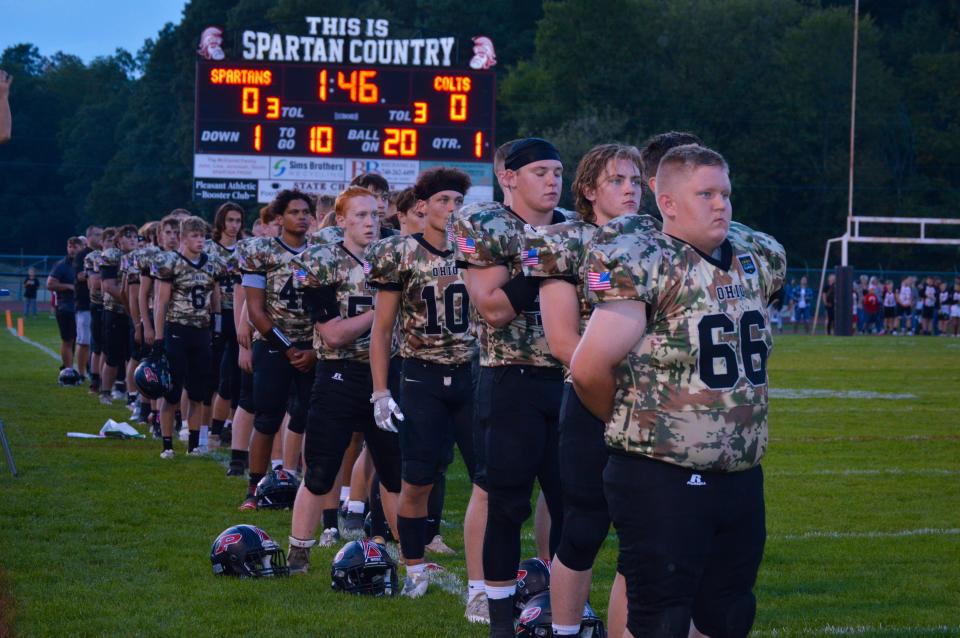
<point>484,57</point>
<point>211,44</point>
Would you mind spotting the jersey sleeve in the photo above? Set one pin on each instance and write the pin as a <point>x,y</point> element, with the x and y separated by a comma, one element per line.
<point>624,268</point>
<point>773,263</point>
<point>385,263</point>
<point>110,263</point>
<point>552,251</point>
<point>485,236</point>
<point>162,268</point>
<point>254,257</point>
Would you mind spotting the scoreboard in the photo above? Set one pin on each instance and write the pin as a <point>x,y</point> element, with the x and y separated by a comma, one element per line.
<point>264,126</point>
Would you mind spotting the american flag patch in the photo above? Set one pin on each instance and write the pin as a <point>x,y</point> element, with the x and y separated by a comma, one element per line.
<point>531,257</point>
<point>366,267</point>
<point>466,245</point>
<point>598,280</point>
<point>300,275</point>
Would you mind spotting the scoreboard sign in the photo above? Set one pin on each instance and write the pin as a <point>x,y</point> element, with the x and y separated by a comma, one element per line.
<point>276,121</point>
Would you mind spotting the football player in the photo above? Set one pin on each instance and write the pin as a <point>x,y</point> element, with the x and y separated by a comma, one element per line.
<point>282,349</point>
<point>92,271</point>
<point>674,360</point>
<point>341,306</point>
<point>116,321</point>
<point>188,294</point>
<point>608,184</point>
<point>419,282</point>
<point>520,384</point>
<point>84,313</point>
<point>132,265</point>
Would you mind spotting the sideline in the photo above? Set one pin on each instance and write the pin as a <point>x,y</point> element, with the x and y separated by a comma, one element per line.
<point>53,355</point>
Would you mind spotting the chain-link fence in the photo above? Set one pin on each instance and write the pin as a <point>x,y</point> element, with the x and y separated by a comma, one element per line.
<point>14,270</point>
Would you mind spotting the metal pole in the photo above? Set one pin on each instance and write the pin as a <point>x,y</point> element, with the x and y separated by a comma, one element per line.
<point>6,450</point>
<point>853,123</point>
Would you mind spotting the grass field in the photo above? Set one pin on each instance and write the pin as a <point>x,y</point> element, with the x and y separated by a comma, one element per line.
<point>102,538</point>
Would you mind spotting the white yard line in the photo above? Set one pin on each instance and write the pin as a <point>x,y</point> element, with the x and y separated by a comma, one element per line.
<point>53,355</point>
<point>891,471</point>
<point>810,393</point>
<point>853,630</point>
<point>926,531</point>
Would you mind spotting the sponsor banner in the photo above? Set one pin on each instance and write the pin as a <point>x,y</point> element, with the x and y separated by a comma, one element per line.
<point>319,169</point>
<point>241,191</point>
<point>231,166</point>
<point>480,174</point>
<point>268,188</point>
<point>398,173</point>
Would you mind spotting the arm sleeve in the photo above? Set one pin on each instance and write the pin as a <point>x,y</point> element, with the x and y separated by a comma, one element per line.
<point>321,303</point>
<point>385,261</point>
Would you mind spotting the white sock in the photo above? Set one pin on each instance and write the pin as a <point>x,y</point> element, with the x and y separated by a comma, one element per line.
<point>299,542</point>
<point>475,587</point>
<point>566,630</point>
<point>204,435</point>
<point>344,493</point>
<point>355,507</point>
<point>499,593</point>
<point>275,463</point>
<point>416,569</point>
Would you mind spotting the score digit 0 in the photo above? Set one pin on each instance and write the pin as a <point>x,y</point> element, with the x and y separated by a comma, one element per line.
<point>321,139</point>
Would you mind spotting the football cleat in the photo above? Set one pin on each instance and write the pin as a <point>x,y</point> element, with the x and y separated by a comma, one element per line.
<point>415,585</point>
<point>237,468</point>
<point>437,546</point>
<point>478,610</point>
<point>200,450</point>
<point>353,526</point>
<point>167,454</point>
<point>298,560</point>
<point>329,537</point>
<point>249,503</point>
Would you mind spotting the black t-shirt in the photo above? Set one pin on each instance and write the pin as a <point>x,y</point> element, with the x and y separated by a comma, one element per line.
<point>30,288</point>
<point>81,290</point>
<point>63,272</point>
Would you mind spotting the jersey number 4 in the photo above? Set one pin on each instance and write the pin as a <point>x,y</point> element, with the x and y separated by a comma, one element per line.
<point>291,295</point>
<point>718,363</point>
<point>456,303</point>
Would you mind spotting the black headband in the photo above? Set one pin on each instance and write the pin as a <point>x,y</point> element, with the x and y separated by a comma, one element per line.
<point>529,150</point>
<point>438,186</point>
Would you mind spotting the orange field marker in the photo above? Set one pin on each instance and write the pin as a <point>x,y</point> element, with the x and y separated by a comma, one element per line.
<point>19,326</point>
<point>9,320</point>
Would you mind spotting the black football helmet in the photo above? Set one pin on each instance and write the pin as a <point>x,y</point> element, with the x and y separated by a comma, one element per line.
<point>248,552</point>
<point>364,567</point>
<point>536,620</point>
<point>277,490</point>
<point>153,377</point>
<point>533,577</point>
<point>69,377</point>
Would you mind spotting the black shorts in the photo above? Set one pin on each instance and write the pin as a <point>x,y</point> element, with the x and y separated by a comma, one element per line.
<point>116,337</point>
<point>96,329</point>
<point>245,400</point>
<point>437,403</point>
<point>905,311</point>
<point>583,456</point>
<point>188,351</point>
<point>67,323</point>
<point>691,543</point>
<point>889,312</point>
<point>229,369</point>
<point>278,387</point>
<point>927,312</point>
<point>339,401</point>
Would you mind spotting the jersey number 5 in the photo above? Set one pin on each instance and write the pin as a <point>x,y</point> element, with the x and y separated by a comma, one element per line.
<point>718,364</point>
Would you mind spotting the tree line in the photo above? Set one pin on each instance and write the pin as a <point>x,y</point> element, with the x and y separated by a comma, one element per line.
<point>766,82</point>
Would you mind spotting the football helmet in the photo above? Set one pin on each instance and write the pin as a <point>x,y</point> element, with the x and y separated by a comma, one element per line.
<point>364,567</point>
<point>536,620</point>
<point>68,376</point>
<point>277,490</point>
<point>533,577</point>
<point>248,552</point>
<point>152,377</point>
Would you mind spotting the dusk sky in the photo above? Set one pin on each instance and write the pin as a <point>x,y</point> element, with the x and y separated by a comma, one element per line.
<point>86,29</point>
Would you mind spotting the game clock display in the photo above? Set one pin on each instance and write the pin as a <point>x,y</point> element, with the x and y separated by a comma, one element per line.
<point>304,110</point>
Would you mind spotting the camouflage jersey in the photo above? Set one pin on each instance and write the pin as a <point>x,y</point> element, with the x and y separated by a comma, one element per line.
<point>110,268</point>
<point>328,235</point>
<point>132,263</point>
<point>272,259</point>
<point>191,284</point>
<point>343,292</point>
<point>91,266</point>
<point>559,251</point>
<point>435,306</point>
<point>487,234</point>
<point>693,391</point>
<point>231,275</point>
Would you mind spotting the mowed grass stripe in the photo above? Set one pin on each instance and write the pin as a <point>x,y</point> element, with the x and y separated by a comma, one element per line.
<point>100,537</point>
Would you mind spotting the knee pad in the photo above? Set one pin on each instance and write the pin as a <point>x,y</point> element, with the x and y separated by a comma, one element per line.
<point>510,504</point>
<point>318,481</point>
<point>582,536</point>
<point>730,617</point>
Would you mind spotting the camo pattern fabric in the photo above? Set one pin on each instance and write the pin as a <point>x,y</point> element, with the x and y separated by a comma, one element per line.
<point>132,263</point>
<point>693,391</point>
<point>434,313</point>
<point>487,234</point>
<point>328,235</point>
<point>271,258</point>
<point>231,277</point>
<point>334,267</point>
<point>91,266</point>
<point>109,265</point>
<point>191,285</point>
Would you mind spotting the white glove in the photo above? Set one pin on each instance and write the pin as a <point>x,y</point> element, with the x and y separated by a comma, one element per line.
<point>385,409</point>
